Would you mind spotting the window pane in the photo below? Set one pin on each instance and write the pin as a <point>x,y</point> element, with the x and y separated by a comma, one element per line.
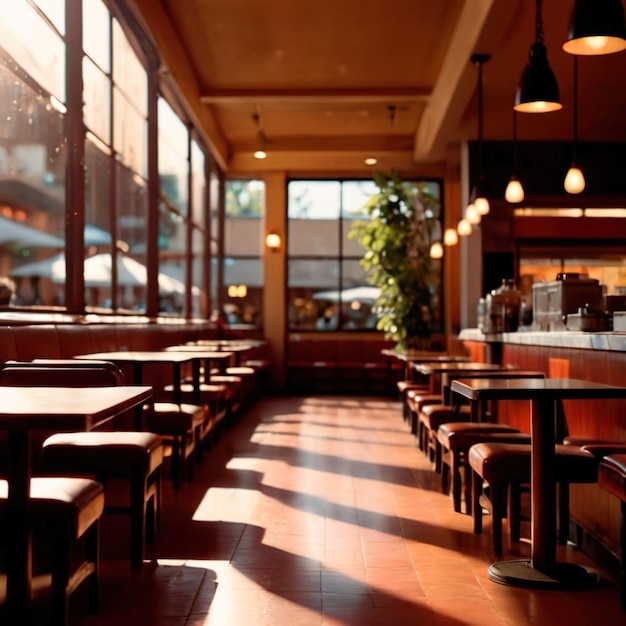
<point>97,101</point>
<point>97,33</point>
<point>173,157</point>
<point>97,196</point>
<point>130,134</point>
<point>129,74</point>
<point>198,185</point>
<point>37,48</point>
<point>55,11</point>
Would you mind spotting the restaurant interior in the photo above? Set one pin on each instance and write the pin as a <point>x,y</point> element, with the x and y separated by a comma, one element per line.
<point>211,409</point>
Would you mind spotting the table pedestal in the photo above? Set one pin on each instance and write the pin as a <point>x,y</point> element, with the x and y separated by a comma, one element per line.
<point>521,573</point>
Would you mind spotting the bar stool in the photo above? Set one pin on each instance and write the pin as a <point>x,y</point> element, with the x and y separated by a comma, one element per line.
<point>453,441</point>
<point>612,477</point>
<point>66,510</point>
<point>505,467</point>
<point>133,456</point>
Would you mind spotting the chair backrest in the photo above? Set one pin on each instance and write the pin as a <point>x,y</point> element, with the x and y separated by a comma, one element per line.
<point>60,373</point>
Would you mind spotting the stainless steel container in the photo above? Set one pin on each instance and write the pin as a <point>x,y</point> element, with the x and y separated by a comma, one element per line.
<point>554,300</point>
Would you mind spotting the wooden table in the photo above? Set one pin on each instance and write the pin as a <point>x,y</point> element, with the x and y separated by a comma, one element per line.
<point>409,357</point>
<point>434,371</point>
<point>139,358</point>
<point>544,396</point>
<point>22,410</point>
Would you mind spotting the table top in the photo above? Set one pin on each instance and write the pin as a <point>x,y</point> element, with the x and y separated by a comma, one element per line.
<point>534,389</point>
<point>66,407</point>
<point>470,366</point>
<point>206,352</point>
<point>140,356</point>
<point>424,357</point>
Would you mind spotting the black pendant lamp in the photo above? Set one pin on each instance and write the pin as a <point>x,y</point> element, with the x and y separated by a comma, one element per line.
<point>538,91</point>
<point>596,27</point>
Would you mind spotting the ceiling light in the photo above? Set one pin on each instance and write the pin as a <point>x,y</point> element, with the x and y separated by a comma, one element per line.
<point>574,179</point>
<point>479,192</point>
<point>450,237</point>
<point>260,152</point>
<point>471,214</point>
<point>464,228</point>
<point>514,192</point>
<point>596,27</point>
<point>538,91</point>
<point>436,250</point>
<point>371,161</point>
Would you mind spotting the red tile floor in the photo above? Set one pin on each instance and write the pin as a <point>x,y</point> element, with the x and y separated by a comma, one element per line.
<point>321,511</point>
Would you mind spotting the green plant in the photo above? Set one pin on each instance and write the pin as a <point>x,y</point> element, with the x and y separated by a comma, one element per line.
<point>397,240</point>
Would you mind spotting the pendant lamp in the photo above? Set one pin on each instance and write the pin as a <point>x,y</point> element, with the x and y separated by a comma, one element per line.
<point>260,152</point>
<point>574,180</point>
<point>538,91</point>
<point>596,27</point>
<point>514,192</point>
<point>479,195</point>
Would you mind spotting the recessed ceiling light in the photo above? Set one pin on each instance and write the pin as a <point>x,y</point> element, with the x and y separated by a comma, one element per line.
<point>371,161</point>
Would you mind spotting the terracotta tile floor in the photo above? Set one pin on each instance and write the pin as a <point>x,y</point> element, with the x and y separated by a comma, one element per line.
<point>321,511</point>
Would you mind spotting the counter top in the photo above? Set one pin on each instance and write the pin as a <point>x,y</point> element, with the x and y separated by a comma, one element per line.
<point>614,341</point>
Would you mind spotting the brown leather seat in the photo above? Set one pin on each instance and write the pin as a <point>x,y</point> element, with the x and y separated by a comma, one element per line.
<point>506,468</point>
<point>64,510</point>
<point>417,398</point>
<point>453,441</point>
<point>431,416</point>
<point>612,477</point>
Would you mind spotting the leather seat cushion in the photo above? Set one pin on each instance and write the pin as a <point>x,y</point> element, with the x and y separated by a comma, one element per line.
<point>168,417</point>
<point>453,435</point>
<point>114,453</point>
<point>510,462</point>
<point>69,506</point>
<point>612,475</point>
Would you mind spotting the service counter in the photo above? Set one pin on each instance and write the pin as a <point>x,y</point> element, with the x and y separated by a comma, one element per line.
<point>599,357</point>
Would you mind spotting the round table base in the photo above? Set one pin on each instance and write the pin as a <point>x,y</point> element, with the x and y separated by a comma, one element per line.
<point>521,573</point>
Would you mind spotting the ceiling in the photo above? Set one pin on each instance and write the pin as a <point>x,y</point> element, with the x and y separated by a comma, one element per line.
<point>335,81</point>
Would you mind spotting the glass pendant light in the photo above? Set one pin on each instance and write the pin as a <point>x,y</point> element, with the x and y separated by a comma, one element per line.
<point>260,152</point>
<point>479,194</point>
<point>450,237</point>
<point>574,180</point>
<point>436,250</point>
<point>538,91</point>
<point>596,27</point>
<point>514,192</point>
<point>464,228</point>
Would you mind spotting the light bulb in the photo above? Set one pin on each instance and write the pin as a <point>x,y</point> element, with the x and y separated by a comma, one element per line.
<point>471,214</point>
<point>464,228</point>
<point>436,250</point>
<point>574,181</point>
<point>482,205</point>
<point>450,237</point>
<point>514,192</point>
<point>260,154</point>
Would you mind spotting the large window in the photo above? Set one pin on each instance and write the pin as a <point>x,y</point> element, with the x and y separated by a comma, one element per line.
<point>242,297</point>
<point>327,289</point>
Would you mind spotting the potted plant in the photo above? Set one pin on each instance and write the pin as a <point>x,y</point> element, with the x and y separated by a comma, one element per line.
<point>397,240</point>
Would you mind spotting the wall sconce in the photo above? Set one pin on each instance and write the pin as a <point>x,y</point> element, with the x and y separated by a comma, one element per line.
<point>273,241</point>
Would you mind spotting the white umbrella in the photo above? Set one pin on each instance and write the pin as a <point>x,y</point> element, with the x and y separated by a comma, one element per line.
<point>98,272</point>
<point>95,236</point>
<point>362,294</point>
<point>18,234</point>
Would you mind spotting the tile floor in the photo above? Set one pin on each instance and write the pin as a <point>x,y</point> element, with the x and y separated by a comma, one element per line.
<point>321,511</point>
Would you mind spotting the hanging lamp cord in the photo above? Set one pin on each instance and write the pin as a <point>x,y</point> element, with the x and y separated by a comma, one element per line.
<point>575,103</point>
<point>539,23</point>
<point>480,115</point>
